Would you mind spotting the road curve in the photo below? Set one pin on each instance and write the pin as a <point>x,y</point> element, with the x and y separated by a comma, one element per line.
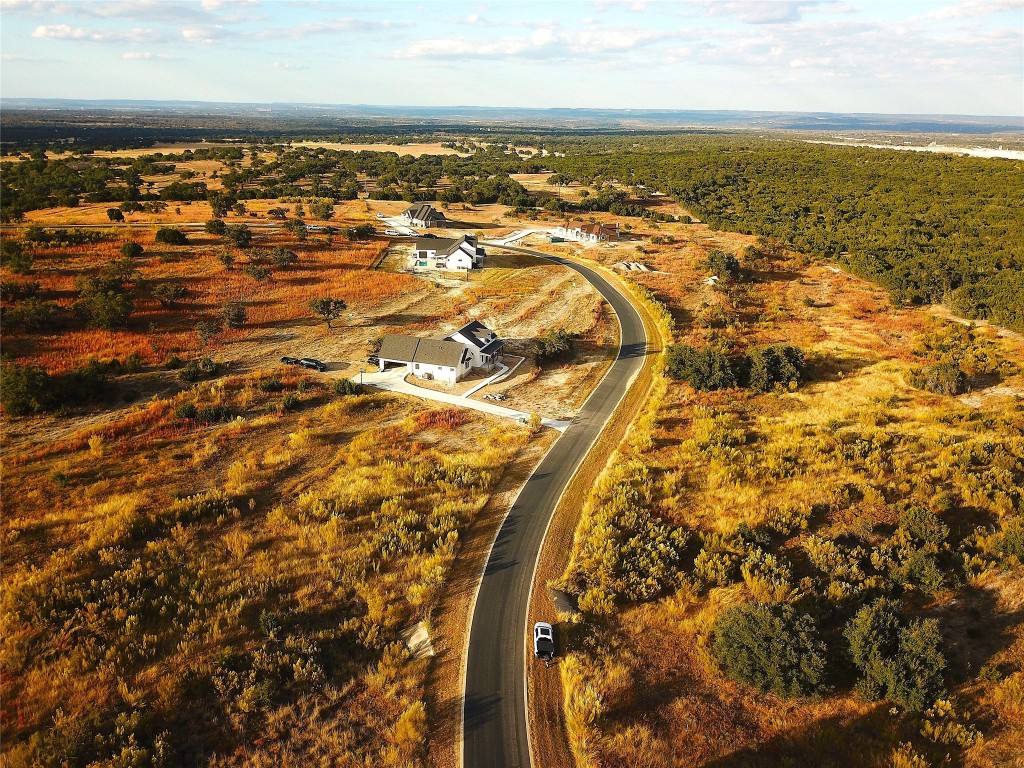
<point>494,708</point>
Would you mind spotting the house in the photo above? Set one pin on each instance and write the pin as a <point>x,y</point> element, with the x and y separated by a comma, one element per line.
<point>439,359</point>
<point>424,215</point>
<point>447,253</point>
<point>588,233</point>
<point>484,346</point>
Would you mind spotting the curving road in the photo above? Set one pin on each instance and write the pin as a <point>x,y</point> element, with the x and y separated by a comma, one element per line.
<point>494,709</point>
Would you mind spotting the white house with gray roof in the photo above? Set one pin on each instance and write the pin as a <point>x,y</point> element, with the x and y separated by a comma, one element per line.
<point>424,215</point>
<point>447,254</point>
<point>447,359</point>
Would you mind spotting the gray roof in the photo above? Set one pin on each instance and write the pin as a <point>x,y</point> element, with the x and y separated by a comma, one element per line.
<point>412,349</point>
<point>492,347</point>
<point>445,245</point>
<point>473,330</point>
<point>423,212</point>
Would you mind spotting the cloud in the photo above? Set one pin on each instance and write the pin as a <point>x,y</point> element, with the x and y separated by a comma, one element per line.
<point>148,56</point>
<point>975,8</point>
<point>333,27</point>
<point>67,32</point>
<point>761,12</point>
<point>206,33</point>
<point>288,66</point>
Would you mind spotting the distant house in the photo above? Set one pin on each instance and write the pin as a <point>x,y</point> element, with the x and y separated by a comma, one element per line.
<point>446,361</point>
<point>424,215</point>
<point>447,253</point>
<point>588,233</point>
<point>484,346</point>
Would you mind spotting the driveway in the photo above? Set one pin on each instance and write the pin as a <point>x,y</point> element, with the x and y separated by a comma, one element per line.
<point>393,380</point>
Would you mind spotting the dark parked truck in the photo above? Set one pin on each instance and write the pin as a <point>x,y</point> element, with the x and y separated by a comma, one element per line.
<point>543,641</point>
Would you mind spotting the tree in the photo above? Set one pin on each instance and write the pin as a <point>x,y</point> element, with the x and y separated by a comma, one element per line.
<point>723,264</point>
<point>225,258</point>
<point>169,294</point>
<point>360,232</point>
<point>277,213</point>
<point>704,369</point>
<point>780,364</point>
<point>24,389</point>
<point>943,378</point>
<point>207,330</point>
<point>16,257</point>
<point>556,344</point>
<point>322,210</point>
<point>257,272</point>
<point>328,309</point>
<point>897,661</point>
<point>131,250</point>
<point>297,227</point>
<point>115,214</point>
<point>171,236</point>
<point>771,647</point>
<point>103,305</point>
<point>234,315</point>
<point>238,235</point>
<point>283,258</point>
<point>215,226</point>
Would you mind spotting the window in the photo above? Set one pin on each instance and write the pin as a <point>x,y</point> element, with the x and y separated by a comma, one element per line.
<point>417,365</point>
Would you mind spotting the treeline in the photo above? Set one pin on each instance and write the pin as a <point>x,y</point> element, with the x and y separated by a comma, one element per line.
<point>927,227</point>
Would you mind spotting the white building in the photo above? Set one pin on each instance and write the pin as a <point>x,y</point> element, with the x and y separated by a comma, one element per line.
<point>447,254</point>
<point>588,233</point>
<point>446,361</point>
<point>484,346</point>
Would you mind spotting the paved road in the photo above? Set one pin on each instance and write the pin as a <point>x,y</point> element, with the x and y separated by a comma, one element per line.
<point>494,711</point>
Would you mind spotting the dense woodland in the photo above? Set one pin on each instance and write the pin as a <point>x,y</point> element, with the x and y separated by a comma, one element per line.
<point>929,228</point>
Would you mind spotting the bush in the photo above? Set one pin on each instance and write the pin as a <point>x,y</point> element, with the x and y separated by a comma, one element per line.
<point>897,661</point>
<point>257,272</point>
<point>171,236</point>
<point>234,315</point>
<point>185,411</point>
<point>556,344</point>
<point>169,294</point>
<point>704,369</point>
<point>777,365</point>
<point>238,235</point>
<point>104,304</point>
<point>15,256</point>
<point>771,647</point>
<point>190,372</point>
<point>131,250</point>
<point>32,315</point>
<point>24,389</point>
<point>346,387</point>
<point>215,227</point>
<point>289,402</point>
<point>943,378</point>
<point>723,264</point>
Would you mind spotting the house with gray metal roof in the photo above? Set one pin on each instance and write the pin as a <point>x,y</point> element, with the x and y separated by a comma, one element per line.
<point>483,344</point>
<point>447,254</point>
<point>424,215</point>
<point>447,359</point>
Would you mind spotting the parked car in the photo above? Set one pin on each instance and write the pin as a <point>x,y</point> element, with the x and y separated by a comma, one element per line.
<point>543,641</point>
<point>290,360</point>
<point>373,360</point>
<point>316,365</point>
<point>392,232</point>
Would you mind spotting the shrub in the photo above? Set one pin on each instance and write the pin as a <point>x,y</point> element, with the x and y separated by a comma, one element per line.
<point>289,402</point>
<point>131,250</point>
<point>704,369</point>
<point>771,647</point>
<point>777,365</point>
<point>234,315</point>
<point>215,226</point>
<point>328,309</point>
<point>943,378</point>
<point>271,385</point>
<point>104,303</point>
<point>32,315</point>
<point>12,290</point>
<point>24,389</point>
<point>190,372</point>
<point>171,236</point>
<point>556,344</point>
<point>723,264</point>
<point>257,272</point>
<point>925,525</point>
<point>896,661</point>
<point>185,411</point>
<point>15,256</point>
<point>115,214</point>
<point>169,294</point>
<point>346,387</point>
<point>238,235</point>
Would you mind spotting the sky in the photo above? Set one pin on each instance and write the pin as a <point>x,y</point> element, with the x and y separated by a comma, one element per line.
<point>888,56</point>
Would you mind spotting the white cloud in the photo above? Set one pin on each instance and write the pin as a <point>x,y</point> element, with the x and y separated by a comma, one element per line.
<point>148,56</point>
<point>975,8</point>
<point>67,32</point>
<point>760,11</point>
<point>288,66</point>
<point>203,34</point>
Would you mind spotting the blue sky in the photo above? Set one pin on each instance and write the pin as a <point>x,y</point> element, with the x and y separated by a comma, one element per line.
<point>941,56</point>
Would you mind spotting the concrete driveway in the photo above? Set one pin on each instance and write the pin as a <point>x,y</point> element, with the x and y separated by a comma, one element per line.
<point>393,380</point>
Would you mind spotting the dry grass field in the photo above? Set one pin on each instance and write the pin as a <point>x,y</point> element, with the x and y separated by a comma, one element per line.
<point>832,461</point>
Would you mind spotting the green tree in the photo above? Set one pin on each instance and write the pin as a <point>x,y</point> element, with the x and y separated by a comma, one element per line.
<point>115,214</point>
<point>234,314</point>
<point>207,330</point>
<point>169,294</point>
<point>131,250</point>
<point>771,647</point>
<point>171,236</point>
<point>24,389</point>
<point>322,210</point>
<point>215,226</point>
<point>15,256</point>
<point>704,369</point>
<point>225,258</point>
<point>328,309</point>
<point>723,264</point>
<point>897,661</point>
<point>238,235</point>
